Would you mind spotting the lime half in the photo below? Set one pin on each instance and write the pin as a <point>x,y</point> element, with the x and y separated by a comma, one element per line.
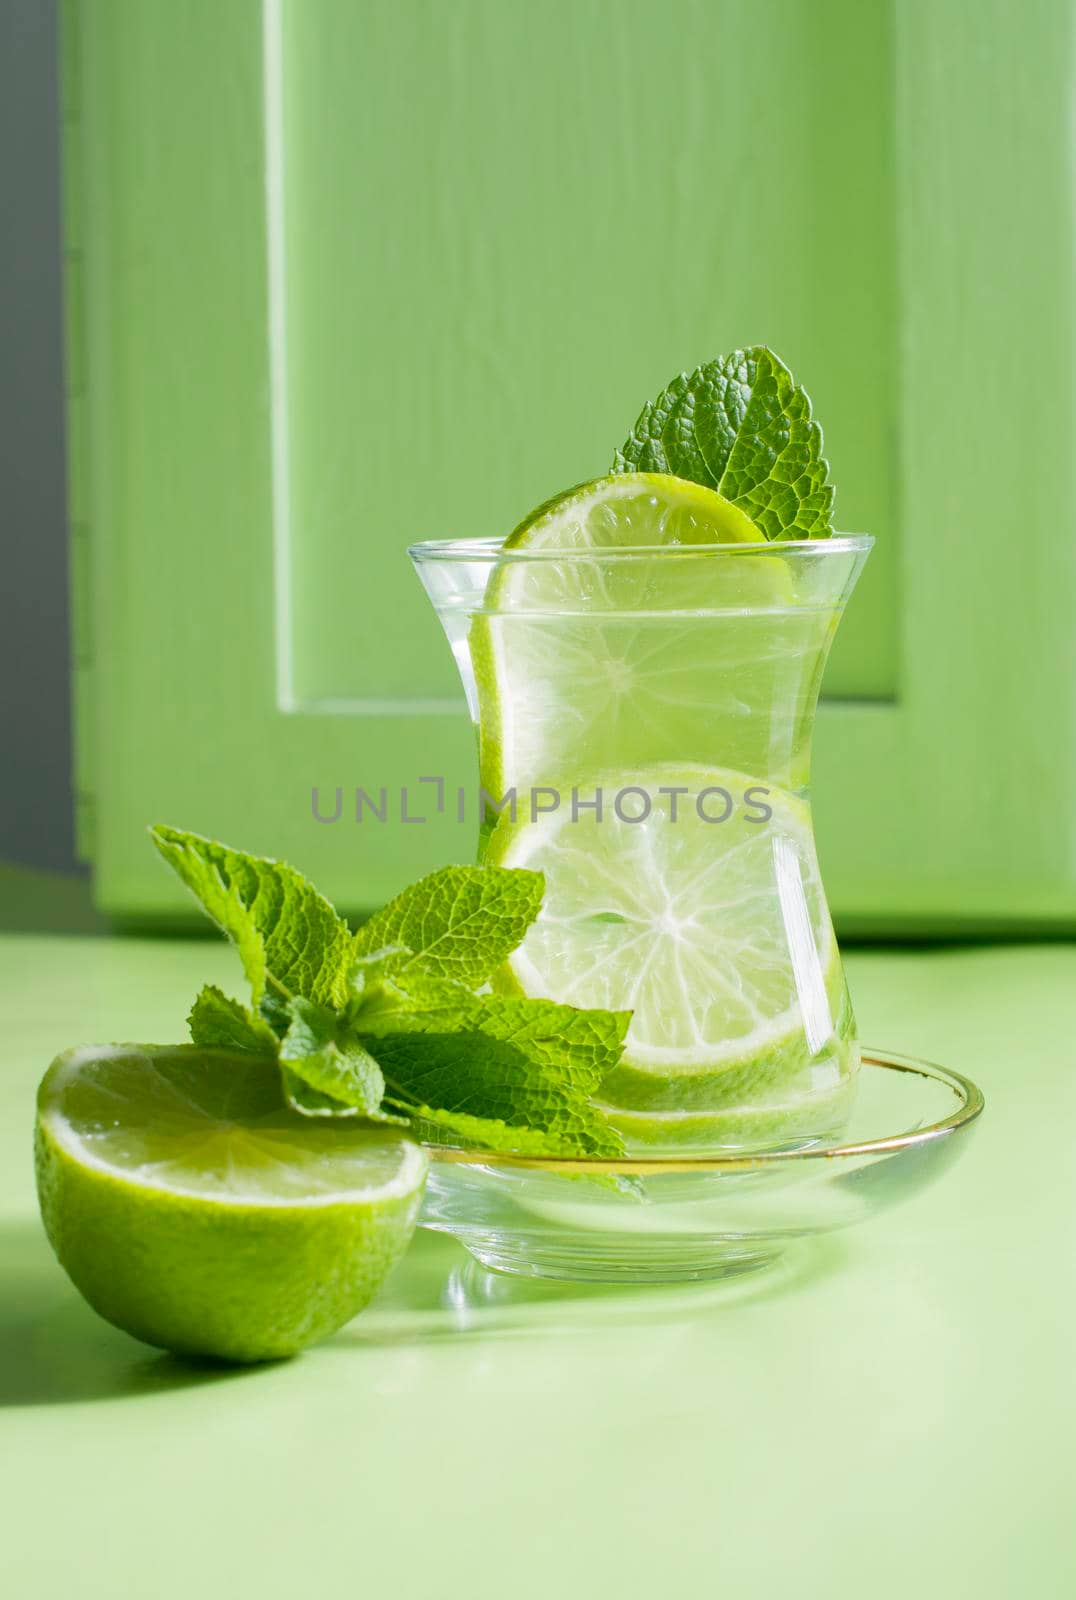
<point>694,900</point>
<point>195,1211</point>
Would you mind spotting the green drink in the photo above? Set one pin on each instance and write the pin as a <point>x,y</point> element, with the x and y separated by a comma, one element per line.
<point>644,677</point>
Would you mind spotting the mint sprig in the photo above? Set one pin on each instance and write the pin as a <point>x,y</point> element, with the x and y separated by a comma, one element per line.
<point>743,426</point>
<point>388,1023</point>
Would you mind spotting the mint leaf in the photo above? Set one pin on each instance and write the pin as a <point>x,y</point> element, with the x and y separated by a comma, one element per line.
<point>740,425</point>
<point>411,1001</point>
<point>458,923</point>
<point>310,1102</point>
<point>469,1072</point>
<point>485,1133</point>
<point>320,1051</point>
<point>579,1048</point>
<point>273,1010</point>
<point>278,921</point>
<point>219,1023</point>
<point>307,1101</point>
<point>520,1065</point>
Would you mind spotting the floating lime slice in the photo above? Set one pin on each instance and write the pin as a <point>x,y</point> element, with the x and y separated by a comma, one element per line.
<point>604,637</point>
<point>694,900</point>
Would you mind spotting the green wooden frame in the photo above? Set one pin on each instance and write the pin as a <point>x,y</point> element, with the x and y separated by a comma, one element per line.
<point>966,818</point>
<point>945,771</point>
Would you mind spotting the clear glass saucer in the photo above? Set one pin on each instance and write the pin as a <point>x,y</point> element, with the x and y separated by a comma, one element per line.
<point>669,1220</point>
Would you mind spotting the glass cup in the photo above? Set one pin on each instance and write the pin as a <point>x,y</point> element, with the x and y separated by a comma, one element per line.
<point>644,720</point>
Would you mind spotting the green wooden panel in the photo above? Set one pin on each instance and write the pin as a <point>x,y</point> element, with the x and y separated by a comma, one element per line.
<point>179,712</point>
<point>956,808</point>
<point>352,274</point>
<point>505,226</point>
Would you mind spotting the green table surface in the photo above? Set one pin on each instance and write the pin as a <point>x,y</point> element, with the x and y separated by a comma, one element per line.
<point>890,1411</point>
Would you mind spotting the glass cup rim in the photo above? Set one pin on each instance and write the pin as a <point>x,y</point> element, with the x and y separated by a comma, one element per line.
<point>486,549</point>
<point>970,1103</point>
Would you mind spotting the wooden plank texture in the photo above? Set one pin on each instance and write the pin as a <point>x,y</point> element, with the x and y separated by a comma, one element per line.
<point>354,274</point>
<point>966,813</point>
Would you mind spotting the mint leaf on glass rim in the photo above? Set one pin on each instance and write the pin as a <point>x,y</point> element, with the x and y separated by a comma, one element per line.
<point>741,425</point>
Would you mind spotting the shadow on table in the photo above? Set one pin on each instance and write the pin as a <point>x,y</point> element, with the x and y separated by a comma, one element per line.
<point>439,1292</point>
<point>55,1350</point>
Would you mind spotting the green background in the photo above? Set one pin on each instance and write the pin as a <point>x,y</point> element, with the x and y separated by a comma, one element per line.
<point>341,275</point>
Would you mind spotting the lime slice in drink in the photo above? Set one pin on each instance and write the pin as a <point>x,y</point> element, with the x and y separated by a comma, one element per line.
<point>784,1118</point>
<point>195,1211</point>
<point>634,510</point>
<point>694,900</point>
<point>605,639</point>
